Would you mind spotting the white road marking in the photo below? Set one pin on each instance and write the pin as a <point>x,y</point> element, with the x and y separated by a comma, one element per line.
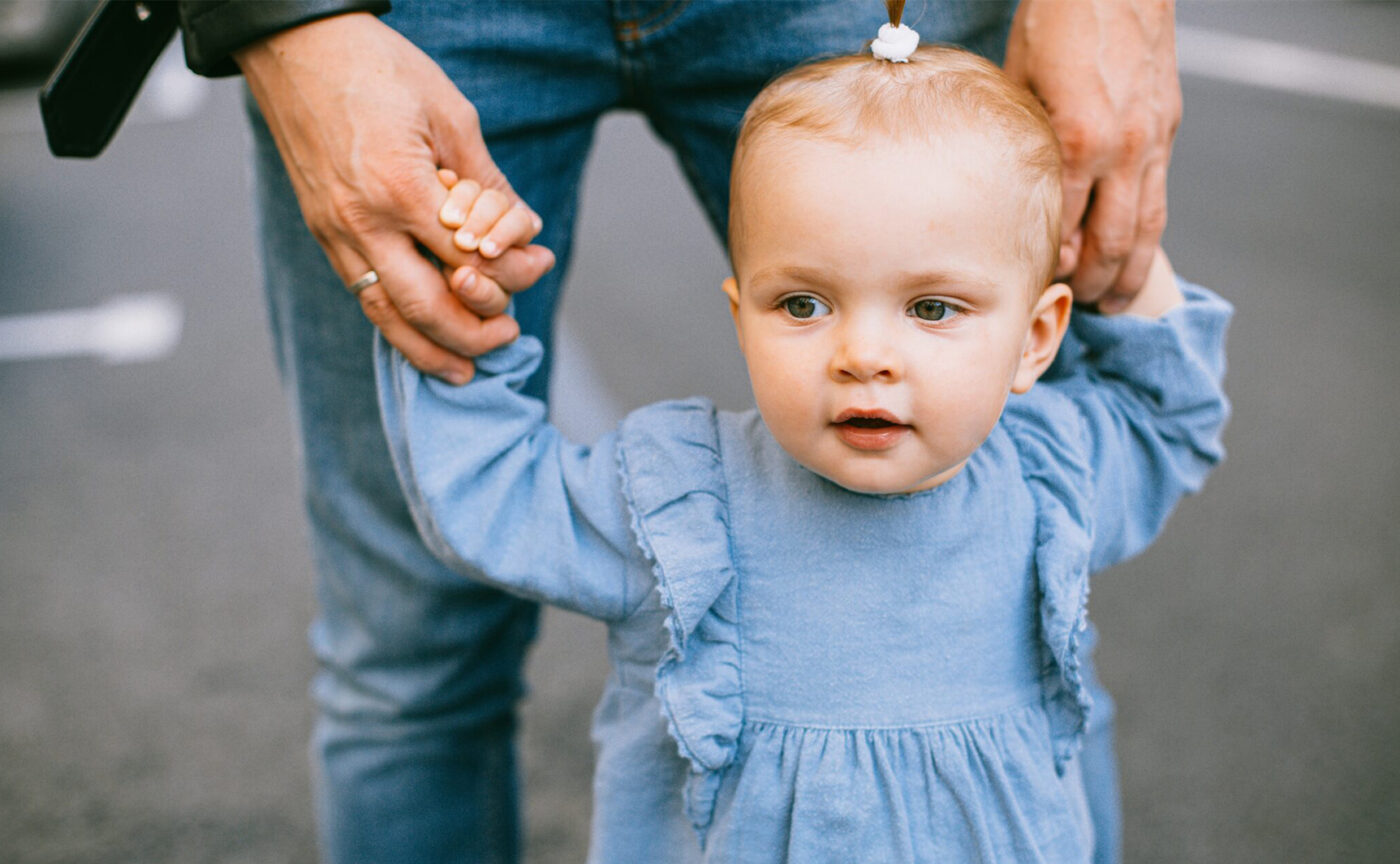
<point>128,329</point>
<point>1289,68</point>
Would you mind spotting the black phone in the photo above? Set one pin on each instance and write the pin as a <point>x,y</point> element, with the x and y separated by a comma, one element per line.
<point>87,96</point>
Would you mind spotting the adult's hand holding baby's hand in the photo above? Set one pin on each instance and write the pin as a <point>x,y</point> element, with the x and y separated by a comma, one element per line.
<point>1106,72</point>
<point>363,120</point>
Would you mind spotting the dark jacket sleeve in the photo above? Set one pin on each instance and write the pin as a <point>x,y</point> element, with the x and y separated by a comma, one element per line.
<point>214,29</point>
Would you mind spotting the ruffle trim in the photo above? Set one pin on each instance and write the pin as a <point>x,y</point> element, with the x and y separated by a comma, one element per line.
<point>1177,360</point>
<point>1059,479</point>
<point>673,481</point>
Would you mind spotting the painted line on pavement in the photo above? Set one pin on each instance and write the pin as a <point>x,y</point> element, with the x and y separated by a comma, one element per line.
<point>134,328</point>
<point>1289,68</point>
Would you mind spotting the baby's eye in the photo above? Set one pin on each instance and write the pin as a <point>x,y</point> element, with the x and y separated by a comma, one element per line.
<point>928,309</point>
<point>804,306</point>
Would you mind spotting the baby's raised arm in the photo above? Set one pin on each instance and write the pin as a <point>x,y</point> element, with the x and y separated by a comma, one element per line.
<point>1132,411</point>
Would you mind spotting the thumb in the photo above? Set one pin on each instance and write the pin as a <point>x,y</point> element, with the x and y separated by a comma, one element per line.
<point>457,138</point>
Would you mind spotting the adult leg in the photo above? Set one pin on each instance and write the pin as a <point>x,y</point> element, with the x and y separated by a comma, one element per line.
<point>419,668</point>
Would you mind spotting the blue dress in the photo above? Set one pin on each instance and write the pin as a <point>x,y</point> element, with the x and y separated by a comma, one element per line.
<point>800,672</point>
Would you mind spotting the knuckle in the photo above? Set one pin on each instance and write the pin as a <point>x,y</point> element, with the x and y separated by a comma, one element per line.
<point>377,307</point>
<point>417,311</point>
<point>1080,141</point>
<point>468,116</point>
<point>400,185</point>
<point>1134,142</point>
<point>346,209</point>
<point>1154,218</point>
<point>1115,245</point>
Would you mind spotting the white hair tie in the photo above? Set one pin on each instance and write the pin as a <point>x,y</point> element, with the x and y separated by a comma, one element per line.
<point>895,44</point>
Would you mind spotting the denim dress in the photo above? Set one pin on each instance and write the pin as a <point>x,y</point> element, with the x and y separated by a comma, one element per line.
<point>804,673</point>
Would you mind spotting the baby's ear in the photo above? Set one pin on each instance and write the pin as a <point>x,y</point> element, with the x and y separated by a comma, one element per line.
<point>1049,319</point>
<point>731,290</point>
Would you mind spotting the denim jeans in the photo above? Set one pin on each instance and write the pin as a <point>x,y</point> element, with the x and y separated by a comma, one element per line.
<point>419,670</point>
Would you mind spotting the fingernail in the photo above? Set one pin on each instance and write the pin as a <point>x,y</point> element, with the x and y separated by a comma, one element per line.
<point>489,247</point>
<point>537,222</point>
<point>468,280</point>
<point>453,214</point>
<point>458,377</point>
<point>466,240</point>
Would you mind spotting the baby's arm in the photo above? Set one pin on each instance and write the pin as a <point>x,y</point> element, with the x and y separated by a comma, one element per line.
<point>1139,395</point>
<point>500,496</point>
<point>495,491</point>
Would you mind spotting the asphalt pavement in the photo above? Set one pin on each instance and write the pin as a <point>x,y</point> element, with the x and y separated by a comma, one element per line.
<point>155,585</point>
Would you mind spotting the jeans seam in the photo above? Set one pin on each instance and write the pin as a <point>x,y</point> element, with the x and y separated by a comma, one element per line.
<point>631,31</point>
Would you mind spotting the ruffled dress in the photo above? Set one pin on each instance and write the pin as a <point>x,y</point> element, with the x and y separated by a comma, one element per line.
<point>802,673</point>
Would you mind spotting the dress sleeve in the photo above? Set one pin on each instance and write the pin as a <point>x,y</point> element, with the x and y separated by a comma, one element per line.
<point>1138,404</point>
<point>500,496</point>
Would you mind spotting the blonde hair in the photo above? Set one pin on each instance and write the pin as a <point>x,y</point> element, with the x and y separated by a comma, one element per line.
<point>940,93</point>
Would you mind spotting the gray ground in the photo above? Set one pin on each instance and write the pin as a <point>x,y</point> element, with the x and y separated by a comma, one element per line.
<point>154,585</point>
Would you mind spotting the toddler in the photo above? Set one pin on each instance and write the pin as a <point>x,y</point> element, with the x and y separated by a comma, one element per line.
<point>846,626</point>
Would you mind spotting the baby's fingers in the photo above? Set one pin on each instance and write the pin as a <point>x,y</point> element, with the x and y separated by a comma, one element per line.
<point>461,198</point>
<point>490,208</point>
<point>517,227</point>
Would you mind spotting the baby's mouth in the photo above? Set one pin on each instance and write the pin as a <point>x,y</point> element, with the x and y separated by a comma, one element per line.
<point>868,422</point>
<point>867,419</point>
<point>869,430</point>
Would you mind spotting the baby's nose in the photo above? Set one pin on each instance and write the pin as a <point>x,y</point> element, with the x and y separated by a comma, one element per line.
<point>866,353</point>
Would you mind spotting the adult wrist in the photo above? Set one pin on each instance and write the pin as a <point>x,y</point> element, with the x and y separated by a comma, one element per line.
<point>212,30</point>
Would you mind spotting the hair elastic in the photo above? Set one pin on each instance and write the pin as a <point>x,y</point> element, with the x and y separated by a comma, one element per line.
<point>895,43</point>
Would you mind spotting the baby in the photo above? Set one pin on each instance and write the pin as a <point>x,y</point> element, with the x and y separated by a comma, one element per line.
<point>846,626</point>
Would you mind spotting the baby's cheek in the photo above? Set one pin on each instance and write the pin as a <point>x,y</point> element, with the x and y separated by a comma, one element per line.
<point>781,406</point>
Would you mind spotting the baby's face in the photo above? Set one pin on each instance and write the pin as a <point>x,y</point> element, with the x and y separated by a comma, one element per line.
<point>881,305</point>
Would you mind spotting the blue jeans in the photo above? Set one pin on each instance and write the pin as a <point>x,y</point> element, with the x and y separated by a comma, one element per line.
<point>420,670</point>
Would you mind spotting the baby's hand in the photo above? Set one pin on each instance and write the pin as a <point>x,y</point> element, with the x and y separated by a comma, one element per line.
<point>487,223</point>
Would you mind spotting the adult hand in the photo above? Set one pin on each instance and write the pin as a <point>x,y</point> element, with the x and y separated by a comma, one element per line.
<point>363,120</point>
<point>1106,73</point>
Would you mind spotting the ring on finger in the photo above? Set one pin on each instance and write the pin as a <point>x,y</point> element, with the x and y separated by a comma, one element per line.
<point>370,278</point>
